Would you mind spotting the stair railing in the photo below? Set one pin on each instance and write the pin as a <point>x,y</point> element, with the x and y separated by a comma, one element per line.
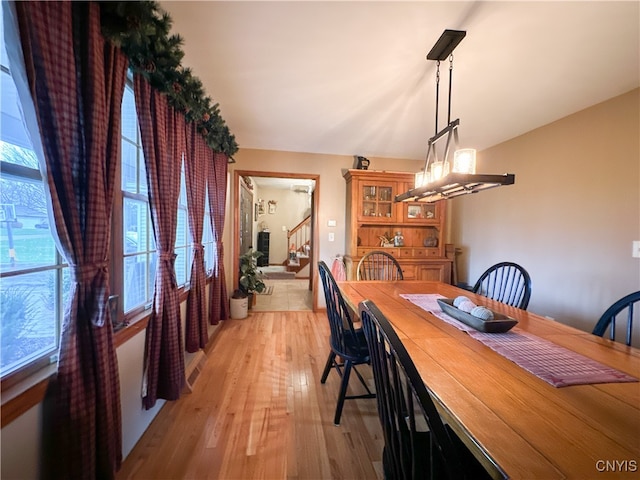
<point>298,243</point>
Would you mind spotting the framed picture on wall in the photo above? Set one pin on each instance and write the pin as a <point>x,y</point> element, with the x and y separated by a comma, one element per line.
<point>255,212</point>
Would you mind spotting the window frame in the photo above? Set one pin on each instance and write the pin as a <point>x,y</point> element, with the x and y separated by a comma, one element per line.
<point>186,248</point>
<point>208,240</point>
<point>123,319</point>
<point>47,356</point>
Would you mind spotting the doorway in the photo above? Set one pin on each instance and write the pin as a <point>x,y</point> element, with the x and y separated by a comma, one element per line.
<point>244,210</point>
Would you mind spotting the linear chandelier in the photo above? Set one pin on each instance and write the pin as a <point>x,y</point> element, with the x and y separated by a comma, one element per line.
<point>439,179</point>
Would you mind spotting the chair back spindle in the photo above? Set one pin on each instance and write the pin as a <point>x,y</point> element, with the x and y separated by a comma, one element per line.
<point>505,282</point>
<point>610,316</point>
<point>347,342</point>
<point>418,444</point>
<point>379,265</point>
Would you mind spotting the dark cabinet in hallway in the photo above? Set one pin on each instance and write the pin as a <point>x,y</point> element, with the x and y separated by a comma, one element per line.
<point>263,246</point>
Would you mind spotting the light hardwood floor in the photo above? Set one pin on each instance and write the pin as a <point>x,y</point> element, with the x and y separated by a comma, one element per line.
<point>259,411</point>
<point>285,295</point>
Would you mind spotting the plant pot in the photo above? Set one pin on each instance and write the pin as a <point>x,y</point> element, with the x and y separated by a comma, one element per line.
<point>239,307</point>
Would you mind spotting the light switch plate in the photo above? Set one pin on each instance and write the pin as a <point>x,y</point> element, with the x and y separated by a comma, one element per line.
<point>636,249</point>
<point>331,223</point>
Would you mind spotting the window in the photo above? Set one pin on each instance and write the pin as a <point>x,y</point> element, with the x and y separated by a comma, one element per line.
<point>183,235</point>
<point>34,280</point>
<point>139,250</point>
<point>34,283</point>
<point>207,238</point>
<point>138,242</point>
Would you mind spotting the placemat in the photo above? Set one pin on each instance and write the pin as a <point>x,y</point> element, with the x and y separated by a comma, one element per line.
<point>552,363</point>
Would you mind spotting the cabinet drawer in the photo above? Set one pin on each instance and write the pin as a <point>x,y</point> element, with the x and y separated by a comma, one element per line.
<point>364,250</point>
<point>419,253</point>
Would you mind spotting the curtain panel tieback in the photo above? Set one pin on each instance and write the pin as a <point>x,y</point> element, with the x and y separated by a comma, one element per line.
<point>87,272</point>
<point>170,258</point>
<point>197,247</point>
<point>218,263</point>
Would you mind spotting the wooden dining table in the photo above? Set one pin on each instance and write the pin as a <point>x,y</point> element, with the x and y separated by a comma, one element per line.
<point>515,423</point>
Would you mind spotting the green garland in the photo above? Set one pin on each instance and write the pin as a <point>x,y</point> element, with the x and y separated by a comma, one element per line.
<point>141,30</point>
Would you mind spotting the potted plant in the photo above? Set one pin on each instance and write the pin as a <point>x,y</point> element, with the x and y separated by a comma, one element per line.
<point>250,276</point>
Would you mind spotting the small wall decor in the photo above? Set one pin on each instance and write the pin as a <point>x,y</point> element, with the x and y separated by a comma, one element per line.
<point>261,210</point>
<point>255,213</point>
<point>272,206</point>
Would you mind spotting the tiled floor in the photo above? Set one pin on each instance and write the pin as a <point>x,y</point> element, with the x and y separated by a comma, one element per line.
<point>287,295</point>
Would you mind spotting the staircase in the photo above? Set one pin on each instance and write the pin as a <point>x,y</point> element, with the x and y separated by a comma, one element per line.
<point>299,254</point>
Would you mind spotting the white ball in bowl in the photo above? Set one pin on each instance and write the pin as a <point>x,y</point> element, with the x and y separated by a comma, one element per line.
<point>467,306</point>
<point>458,300</point>
<point>483,313</point>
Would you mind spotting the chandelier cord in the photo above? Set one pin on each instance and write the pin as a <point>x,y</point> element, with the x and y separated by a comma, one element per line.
<point>450,84</point>
<point>437,92</point>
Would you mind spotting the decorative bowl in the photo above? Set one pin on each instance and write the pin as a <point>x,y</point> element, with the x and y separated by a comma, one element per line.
<point>500,323</point>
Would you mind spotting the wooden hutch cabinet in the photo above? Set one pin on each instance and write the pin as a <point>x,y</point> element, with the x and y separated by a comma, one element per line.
<point>372,214</point>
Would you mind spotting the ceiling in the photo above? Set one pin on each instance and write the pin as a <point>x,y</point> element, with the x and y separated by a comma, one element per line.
<point>351,78</point>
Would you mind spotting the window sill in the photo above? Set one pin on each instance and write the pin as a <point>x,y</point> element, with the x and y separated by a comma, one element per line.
<point>19,398</point>
<point>135,325</point>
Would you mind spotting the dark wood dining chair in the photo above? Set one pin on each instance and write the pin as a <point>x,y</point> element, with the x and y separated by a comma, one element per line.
<point>417,443</point>
<point>505,282</point>
<point>346,342</point>
<point>379,265</point>
<point>609,317</point>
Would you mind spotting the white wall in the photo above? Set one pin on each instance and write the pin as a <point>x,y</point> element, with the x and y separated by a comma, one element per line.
<point>21,446</point>
<point>135,419</point>
<point>571,216</point>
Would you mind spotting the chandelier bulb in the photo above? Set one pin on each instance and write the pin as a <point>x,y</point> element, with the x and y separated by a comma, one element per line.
<point>464,161</point>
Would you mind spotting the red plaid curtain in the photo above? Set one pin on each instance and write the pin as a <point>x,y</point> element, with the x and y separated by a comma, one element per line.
<point>217,181</point>
<point>162,131</point>
<point>196,334</point>
<point>77,82</point>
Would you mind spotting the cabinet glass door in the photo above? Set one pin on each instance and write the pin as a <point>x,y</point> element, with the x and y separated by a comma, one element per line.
<point>377,201</point>
<point>422,211</point>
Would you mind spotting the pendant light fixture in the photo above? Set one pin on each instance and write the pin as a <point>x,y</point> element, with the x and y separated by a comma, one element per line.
<point>440,178</point>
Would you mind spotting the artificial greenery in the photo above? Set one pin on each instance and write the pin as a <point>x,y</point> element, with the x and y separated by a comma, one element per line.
<point>250,276</point>
<point>141,30</point>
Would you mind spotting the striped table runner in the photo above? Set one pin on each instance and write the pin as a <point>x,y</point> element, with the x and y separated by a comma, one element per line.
<point>552,363</point>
